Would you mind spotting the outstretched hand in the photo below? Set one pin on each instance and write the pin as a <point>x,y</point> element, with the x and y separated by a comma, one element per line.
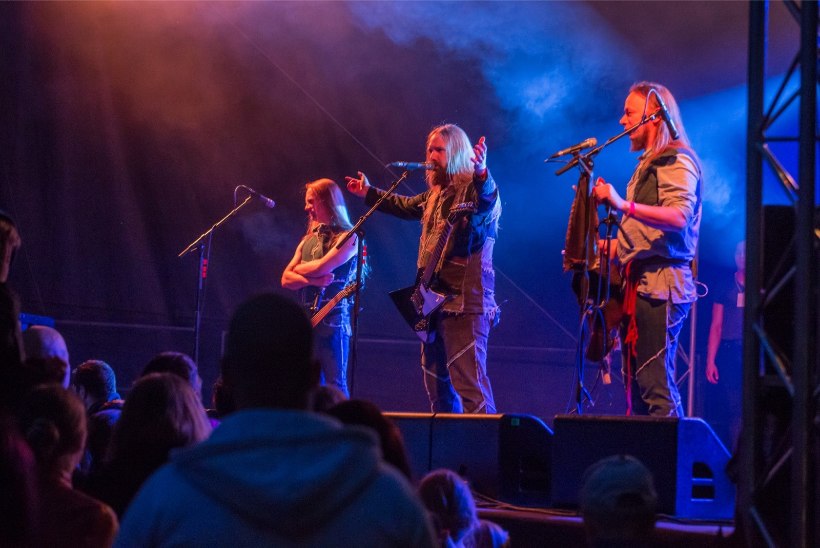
<point>479,158</point>
<point>358,185</point>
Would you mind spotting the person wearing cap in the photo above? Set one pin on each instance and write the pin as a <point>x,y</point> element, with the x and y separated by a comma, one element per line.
<point>618,502</point>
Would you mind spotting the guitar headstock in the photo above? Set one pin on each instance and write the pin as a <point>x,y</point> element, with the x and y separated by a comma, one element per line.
<point>460,210</point>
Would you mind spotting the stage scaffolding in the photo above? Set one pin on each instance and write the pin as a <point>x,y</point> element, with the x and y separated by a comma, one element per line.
<point>778,456</point>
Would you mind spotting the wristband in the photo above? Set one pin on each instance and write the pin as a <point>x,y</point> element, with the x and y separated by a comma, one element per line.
<point>631,209</point>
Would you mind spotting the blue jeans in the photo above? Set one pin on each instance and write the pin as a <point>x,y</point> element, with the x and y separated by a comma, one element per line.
<point>454,365</point>
<point>652,369</point>
<point>331,343</point>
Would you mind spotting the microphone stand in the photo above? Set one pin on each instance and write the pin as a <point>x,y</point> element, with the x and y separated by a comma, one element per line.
<point>353,356</point>
<point>202,273</point>
<point>585,164</point>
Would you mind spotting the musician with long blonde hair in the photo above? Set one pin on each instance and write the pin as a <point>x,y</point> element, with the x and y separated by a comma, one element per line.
<point>454,347</point>
<point>655,248</point>
<point>319,271</point>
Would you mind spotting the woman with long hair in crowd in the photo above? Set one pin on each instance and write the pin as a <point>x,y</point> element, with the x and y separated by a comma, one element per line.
<point>161,413</point>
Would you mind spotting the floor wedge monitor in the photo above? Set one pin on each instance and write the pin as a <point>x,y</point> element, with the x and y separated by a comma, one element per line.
<point>687,460</point>
<point>505,457</point>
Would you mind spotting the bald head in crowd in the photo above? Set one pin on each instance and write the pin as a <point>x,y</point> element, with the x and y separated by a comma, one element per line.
<point>45,343</point>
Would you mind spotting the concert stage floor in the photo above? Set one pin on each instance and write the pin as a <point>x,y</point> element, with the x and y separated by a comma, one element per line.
<point>527,476</point>
<point>533,527</point>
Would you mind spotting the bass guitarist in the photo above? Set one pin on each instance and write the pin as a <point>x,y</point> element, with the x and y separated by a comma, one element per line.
<point>454,355</point>
<point>320,271</point>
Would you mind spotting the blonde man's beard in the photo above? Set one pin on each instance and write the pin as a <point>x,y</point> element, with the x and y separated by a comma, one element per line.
<point>440,178</point>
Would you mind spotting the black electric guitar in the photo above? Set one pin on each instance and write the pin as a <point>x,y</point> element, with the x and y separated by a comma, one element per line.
<point>322,312</point>
<point>418,302</point>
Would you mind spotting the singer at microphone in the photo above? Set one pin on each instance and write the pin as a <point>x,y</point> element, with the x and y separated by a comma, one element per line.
<point>459,213</point>
<point>656,244</point>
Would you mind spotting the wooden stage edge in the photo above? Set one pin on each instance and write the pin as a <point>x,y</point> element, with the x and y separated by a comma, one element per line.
<point>534,527</point>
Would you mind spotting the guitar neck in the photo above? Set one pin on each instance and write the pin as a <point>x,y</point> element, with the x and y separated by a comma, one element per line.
<point>325,310</point>
<point>430,269</point>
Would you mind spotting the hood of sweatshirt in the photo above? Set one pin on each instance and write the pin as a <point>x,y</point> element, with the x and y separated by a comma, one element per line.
<point>287,471</point>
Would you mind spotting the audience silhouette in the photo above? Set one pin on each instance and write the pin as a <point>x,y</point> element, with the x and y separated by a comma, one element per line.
<point>618,503</point>
<point>450,502</point>
<point>274,473</point>
<point>54,424</point>
<point>160,414</point>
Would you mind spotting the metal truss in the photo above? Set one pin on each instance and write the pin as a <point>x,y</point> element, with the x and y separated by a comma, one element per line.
<point>778,456</point>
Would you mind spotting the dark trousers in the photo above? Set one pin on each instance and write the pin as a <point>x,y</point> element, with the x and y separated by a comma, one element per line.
<point>649,374</point>
<point>723,402</point>
<point>454,365</point>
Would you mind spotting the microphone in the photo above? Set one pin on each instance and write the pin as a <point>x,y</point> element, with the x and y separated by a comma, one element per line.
<point>267,202</point>
<point>673,131</point>
<point>411,166</point>
<point>591,142</point>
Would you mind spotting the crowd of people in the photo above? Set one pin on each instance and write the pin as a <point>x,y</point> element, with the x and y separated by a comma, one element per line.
<point>83,467</point>
<point>292,463</point>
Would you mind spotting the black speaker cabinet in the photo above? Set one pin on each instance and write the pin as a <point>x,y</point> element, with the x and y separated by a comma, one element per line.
<point>686,458</point>
<point>506,457</point>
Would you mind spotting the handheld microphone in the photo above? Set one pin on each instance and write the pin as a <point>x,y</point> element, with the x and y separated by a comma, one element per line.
<point>411,166</point>
<point>673,131</point>
<point>586,143</point>
<point>267,202</point>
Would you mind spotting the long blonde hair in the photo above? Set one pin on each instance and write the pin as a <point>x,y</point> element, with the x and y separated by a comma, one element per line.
<point>330,195</point>
<point>663,139</point>
<point>459,154</point>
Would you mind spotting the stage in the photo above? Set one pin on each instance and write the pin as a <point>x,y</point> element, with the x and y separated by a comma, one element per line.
<point>544,527</point>
<point>527,475</point>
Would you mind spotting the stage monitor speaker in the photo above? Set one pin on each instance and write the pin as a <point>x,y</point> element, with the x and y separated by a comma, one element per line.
<point>506,457</point>
<point>686,459</point>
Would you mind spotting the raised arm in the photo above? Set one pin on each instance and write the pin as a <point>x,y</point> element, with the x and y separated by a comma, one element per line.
<point>403,207</point>
<point>485,185</point>
<point>358,185</point>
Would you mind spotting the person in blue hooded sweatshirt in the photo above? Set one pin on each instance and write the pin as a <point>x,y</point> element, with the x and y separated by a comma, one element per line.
<point>273,473</point>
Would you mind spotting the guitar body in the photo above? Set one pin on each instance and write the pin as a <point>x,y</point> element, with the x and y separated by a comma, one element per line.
<point>325,310</point>
<point>602,326</point>
<point>416,304</point>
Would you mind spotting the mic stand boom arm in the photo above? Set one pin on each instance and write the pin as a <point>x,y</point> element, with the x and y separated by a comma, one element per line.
<point>351,366</point>
<point>203,270</point>
<point>593,152</point>
<point>216,225</point>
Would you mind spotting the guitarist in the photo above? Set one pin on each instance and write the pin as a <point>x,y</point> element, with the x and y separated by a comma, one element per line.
<point>454,361</point>
<point>319,271</point>
<point>661,216</point>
